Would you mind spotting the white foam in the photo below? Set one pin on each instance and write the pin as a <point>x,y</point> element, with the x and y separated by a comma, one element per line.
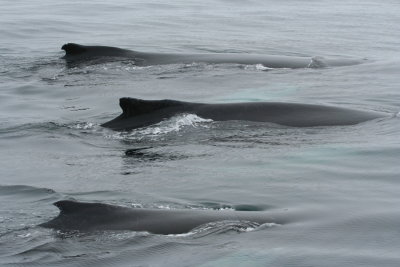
<point>262,67</point>
<point>259,67</point>
<point>317,62</point>
<point>83,126</point>
<point>173,124</point>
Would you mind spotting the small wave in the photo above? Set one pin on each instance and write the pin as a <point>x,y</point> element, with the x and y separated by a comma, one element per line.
<point>24,190</point>
<point>50,126</point>
<point>99,235</point>
<point>103,64</point>
<point>29,128</point>
<point>174,124</point>
<point>239,207</point>
<point>124,65</point>
<point>226,226</point>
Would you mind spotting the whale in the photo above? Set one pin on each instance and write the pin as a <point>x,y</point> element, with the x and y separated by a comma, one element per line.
<point>137,113</point>
<point>86,217</point>
<point>78,53</point>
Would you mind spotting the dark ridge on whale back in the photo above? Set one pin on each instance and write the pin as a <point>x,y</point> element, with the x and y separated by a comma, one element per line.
<point>69,206</point>
<point>73,49</point>
<point>135,106</point>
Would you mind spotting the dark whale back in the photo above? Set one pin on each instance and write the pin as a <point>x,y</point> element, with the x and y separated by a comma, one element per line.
<point>75,52</point>
<point>96,216</point>
<point>138,113</point>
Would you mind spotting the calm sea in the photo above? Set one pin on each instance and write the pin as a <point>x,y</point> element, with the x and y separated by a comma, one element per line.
<point>344,179</point>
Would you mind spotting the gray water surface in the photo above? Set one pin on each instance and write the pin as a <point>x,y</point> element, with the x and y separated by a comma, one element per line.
<point>345,179</point>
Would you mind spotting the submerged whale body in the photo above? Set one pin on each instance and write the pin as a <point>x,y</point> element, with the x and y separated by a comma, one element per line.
<point>96,216</point>
<point>76,52</point>
<point>138,113</point>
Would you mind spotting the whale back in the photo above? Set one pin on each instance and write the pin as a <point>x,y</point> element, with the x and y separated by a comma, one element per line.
<point>76,52</point>
<point>82,216</point>
<point>287,114</point>
<point>139,113</point>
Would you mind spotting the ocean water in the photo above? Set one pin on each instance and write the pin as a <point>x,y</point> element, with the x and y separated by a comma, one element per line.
<point>344,179</point>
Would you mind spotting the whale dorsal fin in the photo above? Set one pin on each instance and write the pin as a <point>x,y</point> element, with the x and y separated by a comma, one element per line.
<point>133,106</point>
<point>73,49</point>
<point>69,206</point>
